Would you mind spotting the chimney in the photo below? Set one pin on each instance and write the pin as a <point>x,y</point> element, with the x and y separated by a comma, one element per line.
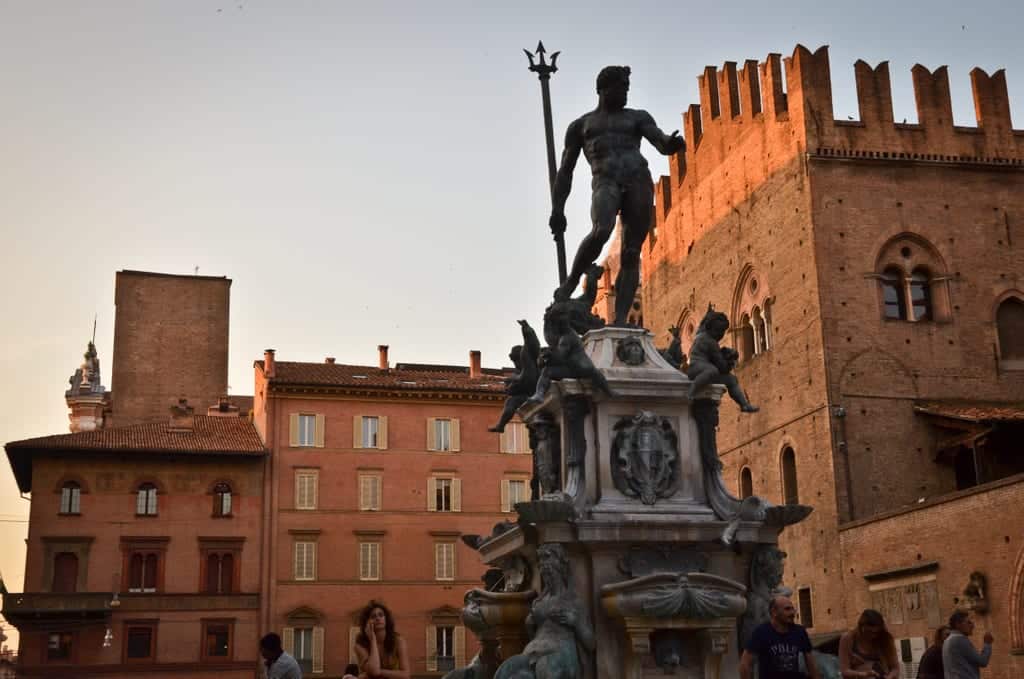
<point>329,360</point>
<point>474,364</point>
<point>269,368</point>
<point>382,356</point>
<point>181,416</point>
<point>223,408</point>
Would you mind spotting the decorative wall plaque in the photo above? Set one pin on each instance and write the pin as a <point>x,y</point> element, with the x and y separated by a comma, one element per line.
<point>645,457</point>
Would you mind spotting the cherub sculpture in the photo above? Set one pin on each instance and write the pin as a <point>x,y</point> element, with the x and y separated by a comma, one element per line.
<point>564,356</point>
<point>521,385</point>
<point>674,353</point>
<point>713,364</point>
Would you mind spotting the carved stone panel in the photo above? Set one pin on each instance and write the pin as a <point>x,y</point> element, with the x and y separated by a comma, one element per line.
<point>645,457</point>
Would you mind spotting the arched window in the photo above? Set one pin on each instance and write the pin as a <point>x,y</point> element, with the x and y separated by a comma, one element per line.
<point>912,280</point>
<point>145,500</point>
<point>746,483</point>
<point>1010,329</point>
<point>752,335</point>
<point>65,572</point>
<point>760,333</point>
<point>70,498</point>
<point>920,295</point>
<point>747,346</point>
<point>892,294</point>
<point>222,500</point>
<point>220,573</point>
<point>789,490</point>
<point>142,572</point>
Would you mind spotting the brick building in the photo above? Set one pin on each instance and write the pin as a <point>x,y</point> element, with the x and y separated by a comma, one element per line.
<point>143,549</point>
<point>874,275</point>
<point>170,343</point>
<point>376,471</point>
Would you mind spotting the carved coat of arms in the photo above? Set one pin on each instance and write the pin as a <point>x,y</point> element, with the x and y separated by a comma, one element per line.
<point>645,457</point>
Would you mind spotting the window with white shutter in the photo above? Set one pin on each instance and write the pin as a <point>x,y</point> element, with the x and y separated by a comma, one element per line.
<point>910,651</point>
<point>444,649</point>
<point>305,560</point>
<point>306,482</point>
<point>444,561</point>
<point>371,427</point>
<point>145,500</point>
<point>369,492</point>
<point>369,561</point>
<point>71,498</point>
<point>442,435</point>
<point>513,491</point>
<point>515,438</point>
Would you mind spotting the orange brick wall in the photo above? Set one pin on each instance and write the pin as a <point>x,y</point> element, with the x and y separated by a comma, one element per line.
<point>170,342</point>
<point>407,582</point>
<point>185,507</point>
<point>971,531</point>
<point>770,183</point>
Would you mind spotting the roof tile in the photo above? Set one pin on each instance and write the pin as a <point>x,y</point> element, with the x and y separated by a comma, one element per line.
<point>222,435</point>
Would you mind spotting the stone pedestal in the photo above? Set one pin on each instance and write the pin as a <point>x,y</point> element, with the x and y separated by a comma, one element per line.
<point>659,555</point>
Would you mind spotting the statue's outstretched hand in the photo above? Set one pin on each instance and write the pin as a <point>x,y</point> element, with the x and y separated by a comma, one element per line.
<point>674,143</point>
<point>557,222</point>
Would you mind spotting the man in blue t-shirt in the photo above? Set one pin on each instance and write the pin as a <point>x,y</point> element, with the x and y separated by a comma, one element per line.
<point>778,645</point>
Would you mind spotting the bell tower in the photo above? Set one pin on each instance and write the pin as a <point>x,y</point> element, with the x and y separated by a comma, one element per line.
<point>87,398</point>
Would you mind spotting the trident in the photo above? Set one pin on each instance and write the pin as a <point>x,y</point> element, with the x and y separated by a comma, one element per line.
<point>544,70</point>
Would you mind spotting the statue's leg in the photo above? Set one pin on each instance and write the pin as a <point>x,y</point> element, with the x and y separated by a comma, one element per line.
<point>604,207</point>
<point>542,386</point>
<point>701,378</point>
<point>733,386</point>
<point>636,222</point>
<point>512,404</point>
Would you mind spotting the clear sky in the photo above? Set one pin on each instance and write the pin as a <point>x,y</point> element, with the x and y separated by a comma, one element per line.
<point>365,172</point>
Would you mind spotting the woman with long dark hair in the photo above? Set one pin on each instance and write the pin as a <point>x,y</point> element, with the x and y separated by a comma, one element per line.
<point>380,650</point>
<point>930,666</point>
<point>868,651</point>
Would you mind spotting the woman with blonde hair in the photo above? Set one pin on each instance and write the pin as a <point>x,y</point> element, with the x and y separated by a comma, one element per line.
<point>380,650</point>
<point>868,651</point>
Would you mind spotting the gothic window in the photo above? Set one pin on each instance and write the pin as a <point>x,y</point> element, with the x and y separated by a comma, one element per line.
<point>892,294</point>
<point>1010,329</point>
<point>912,281</point>
<point>747,344</point>
<point>751,315</point>
<point>746,483</point>
<point>789,490</point>
<point>760,332</point>
<point>920,295</point>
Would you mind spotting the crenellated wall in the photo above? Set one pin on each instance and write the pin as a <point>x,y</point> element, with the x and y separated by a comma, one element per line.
<point>752,119</point>
<point>776,206</point>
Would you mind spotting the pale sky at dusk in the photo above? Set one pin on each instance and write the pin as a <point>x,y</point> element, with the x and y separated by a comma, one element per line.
<point>366,173</point>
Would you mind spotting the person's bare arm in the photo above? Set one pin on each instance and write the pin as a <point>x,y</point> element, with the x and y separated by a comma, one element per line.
<point>746,665</point>
<point>563,179</point>
<point>403,664</point>
<point>812,666</point>
<point>363,658</point>
<point>667,144</point>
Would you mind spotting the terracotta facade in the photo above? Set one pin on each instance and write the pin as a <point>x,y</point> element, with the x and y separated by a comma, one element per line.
<point>399,543</point>
<point>104,562</point>
<point>802,228</point>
